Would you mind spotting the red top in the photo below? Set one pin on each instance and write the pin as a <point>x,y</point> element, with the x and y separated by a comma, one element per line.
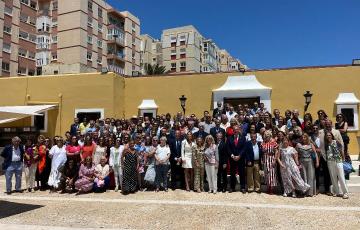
<point>87,150</point>
<point>42,157</point>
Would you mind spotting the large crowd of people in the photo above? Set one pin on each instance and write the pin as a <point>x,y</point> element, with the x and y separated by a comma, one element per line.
<point>287,154</point>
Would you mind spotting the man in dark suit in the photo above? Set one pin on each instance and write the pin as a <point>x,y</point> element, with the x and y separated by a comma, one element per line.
<point>201,133</point>
<point>218,111</point>
<point>13,157</point>
<point>253,154</point>
<point>177,173</point>
<point>223,161</point>
<point>235,145</point>
<point>74,127</point>
<point>217,129</point>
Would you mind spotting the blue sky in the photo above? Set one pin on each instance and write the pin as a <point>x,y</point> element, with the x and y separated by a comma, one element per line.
<point>262,33</point>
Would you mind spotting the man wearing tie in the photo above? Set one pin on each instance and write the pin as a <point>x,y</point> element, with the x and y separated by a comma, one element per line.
<point>235,145</point>
<point>223,161</point>
<point>175,160</point>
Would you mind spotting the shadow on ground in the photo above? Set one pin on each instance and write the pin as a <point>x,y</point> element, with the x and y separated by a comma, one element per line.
<point>10,208</point>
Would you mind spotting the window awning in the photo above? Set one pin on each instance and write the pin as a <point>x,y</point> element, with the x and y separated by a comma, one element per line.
<point>13,113</point>
<point>148,104</point>
<point>347,99</point>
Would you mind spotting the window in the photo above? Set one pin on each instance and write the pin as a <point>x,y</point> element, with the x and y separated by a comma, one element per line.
<point>22,71</point>
<point>7,47</point>
<point>90,21</point>
<point>182,50</point>
<point>182,38</point>
<point>31,72</point>
<point>133,25</point>
<point>22,52</point>
<point>54,22</point>
<point>54,39</point>
<point>347,104</point>
<point>26,2</point>
<point>89,39</point>
<point>99,43</point>
<point>32,38</point>
<point>56,72</point>
<point>100,12</point>
<point>182,43</point>
<point>32,21</point>
<point>5,67</point>
<point>173,57</point>
<point>54,56</point>
<point>31,55</point>
<point>173,66</point>
<point>40,122</point>
<point>55,5</point>
<point>173,38</point>
<point>24,17</point>
<point>8,10</point>
<point>99,61</point>
<point>33,4</point>
<point>89,56</point>
<point>183,55</point>
<point>182,64</point>
<point>90,6</point>
<point>100,28</point>
<point>133,40</point>
<point>7,29</point>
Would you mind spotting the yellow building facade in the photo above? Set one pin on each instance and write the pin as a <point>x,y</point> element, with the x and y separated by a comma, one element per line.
<point>119,97</point>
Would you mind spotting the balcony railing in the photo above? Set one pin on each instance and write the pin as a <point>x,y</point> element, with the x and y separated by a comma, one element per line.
<point>116,69</point>
<point>118,54</point>
<point>43,12</point>
<point>116,38</point>
<point>43,46</point>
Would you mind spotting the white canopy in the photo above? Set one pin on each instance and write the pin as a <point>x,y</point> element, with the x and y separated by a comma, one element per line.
<point>148,104</point>
<point>12,113</point>
<point>243,87</point>
<point>242,83</point>
<point>347,99</point>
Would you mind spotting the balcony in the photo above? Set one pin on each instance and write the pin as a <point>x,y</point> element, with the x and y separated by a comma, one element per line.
<point>116,55</point>
<point>43,45</point>
<point>43,12</point>
<point>115,39</point>
<point>116,69</point>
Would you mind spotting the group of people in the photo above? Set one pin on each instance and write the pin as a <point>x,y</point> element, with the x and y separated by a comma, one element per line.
<point>286,153</point>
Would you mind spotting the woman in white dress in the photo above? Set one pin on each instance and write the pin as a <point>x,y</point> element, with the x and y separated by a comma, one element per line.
<point>115,163</point>
<point>100,151</point>
<point>58,159</point>
<point>186,157</point>
<point>289,167</point>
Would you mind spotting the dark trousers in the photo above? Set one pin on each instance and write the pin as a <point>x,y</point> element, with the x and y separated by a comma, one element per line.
<point>222,178</point>
<point>325,174</point>
<point>161,175</point>
<point>177,175</point>
<point>240,167</point>
<point>96,188</point>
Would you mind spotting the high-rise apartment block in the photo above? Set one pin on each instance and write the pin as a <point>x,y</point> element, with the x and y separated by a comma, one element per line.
<point>184,49</point>
<point>67,36</point>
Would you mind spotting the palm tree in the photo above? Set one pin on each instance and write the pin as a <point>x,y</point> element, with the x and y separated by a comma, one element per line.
<point>155,69</point>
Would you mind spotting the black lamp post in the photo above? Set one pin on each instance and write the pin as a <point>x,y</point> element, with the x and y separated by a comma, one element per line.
<point>307,96</point>
<point>182,102</point>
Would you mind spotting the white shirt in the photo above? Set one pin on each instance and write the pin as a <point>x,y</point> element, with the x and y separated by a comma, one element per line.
<point>162,153</point>
<point>15,154</point>
<point>115,156</point>
<point>258,137</point>
<point>256,151</point>
<point>230,115</point>
<point>102,171</point>
<point>58,156</point>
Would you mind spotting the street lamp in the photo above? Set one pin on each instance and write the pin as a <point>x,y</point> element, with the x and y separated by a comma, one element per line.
<point>182,102</point>
<point>307,96</point>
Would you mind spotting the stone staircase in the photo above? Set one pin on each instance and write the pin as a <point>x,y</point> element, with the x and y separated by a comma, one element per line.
<point>354,182</point>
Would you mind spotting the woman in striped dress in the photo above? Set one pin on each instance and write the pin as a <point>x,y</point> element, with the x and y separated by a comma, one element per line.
<point>270,151</point>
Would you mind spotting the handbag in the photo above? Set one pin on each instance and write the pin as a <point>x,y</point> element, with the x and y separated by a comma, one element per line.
<point>347,167</point>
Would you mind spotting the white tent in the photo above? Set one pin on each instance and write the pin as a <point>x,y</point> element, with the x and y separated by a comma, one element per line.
<point>12,113</point>
<point>243,87</point>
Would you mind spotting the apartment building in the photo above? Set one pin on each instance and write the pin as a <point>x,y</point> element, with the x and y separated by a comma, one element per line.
<point>184,49</point>
<point>150,52</point>
<point>67,36</point>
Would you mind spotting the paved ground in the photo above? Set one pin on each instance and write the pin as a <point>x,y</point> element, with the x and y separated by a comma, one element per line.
<point>177,210</point>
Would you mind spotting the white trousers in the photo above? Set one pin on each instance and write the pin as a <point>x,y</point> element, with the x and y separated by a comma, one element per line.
<point>336,171</point>
<point>30,172</point>
<point>118,176</point>
<point>211,175</point>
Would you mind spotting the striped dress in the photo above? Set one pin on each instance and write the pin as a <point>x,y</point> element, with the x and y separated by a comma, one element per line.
<point>270,172</point>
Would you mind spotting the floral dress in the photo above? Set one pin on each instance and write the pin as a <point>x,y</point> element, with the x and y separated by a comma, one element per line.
<point>290,175</point>
<point>270,172</point>
<point>85,182</point>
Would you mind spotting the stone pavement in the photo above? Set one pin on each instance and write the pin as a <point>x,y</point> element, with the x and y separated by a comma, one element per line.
<point>175,210</point>
<point>178,210</point>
